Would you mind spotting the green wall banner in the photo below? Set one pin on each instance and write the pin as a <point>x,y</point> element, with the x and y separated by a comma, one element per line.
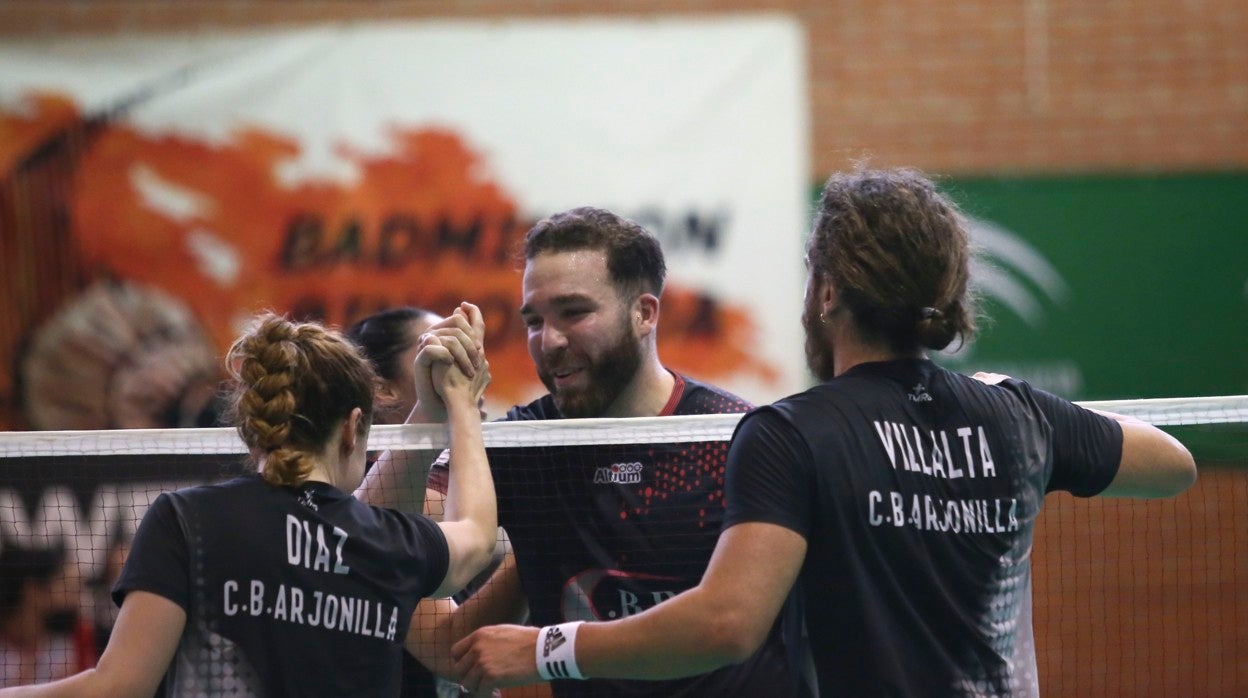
<point>1104,287</point>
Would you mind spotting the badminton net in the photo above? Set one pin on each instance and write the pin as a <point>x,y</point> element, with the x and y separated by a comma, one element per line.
<point>1131,597</point>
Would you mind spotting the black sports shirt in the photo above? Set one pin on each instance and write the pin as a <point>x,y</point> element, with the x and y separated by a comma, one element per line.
<point>287,591</point>
<point>917,490</point>
<point>603,532</point>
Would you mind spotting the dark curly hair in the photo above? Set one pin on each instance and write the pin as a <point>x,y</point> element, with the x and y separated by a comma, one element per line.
<point>634,257</point>
<point>898,253</point>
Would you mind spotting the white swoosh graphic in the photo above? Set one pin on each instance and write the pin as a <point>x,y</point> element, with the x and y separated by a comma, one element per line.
<point>1002,257</point>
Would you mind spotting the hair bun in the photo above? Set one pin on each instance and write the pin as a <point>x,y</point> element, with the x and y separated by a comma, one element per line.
<point>935,330</point>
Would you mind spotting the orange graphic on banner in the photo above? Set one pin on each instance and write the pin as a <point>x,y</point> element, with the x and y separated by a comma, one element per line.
<point>219,226</point>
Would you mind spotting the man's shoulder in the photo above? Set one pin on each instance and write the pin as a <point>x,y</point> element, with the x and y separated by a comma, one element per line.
<point>819,397</point>
<point>541,408</point>
<point>704,398</point>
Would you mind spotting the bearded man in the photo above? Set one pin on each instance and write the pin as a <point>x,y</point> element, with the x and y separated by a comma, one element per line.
<point>603,531</point>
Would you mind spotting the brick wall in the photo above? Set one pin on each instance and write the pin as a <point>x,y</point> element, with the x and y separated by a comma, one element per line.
<point>970,86</point>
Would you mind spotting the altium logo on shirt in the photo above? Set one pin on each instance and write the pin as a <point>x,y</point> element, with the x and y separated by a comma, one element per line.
<point>619,474</point>
<point>919,393</point>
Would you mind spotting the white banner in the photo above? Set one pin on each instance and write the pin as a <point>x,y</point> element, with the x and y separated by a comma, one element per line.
<point>337,169</point>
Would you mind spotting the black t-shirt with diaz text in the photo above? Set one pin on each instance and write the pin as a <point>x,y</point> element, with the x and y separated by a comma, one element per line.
<point>287,591</point>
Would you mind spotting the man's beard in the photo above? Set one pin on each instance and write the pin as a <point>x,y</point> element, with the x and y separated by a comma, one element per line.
<point>818,349</point>
<point>608,375</point>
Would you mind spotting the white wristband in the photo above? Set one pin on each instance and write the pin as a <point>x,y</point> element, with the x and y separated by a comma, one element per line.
<point>556,651</point>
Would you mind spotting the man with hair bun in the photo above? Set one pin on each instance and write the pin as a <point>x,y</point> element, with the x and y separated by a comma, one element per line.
<point>281,583</point>
<point>888,511</point>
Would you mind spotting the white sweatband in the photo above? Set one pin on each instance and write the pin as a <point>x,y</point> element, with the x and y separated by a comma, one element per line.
<point>556,651</point>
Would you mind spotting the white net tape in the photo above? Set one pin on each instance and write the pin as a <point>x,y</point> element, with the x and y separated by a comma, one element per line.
<point>567,432</point>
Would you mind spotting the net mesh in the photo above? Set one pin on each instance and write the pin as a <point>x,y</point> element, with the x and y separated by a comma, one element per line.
<point>1131,597</point>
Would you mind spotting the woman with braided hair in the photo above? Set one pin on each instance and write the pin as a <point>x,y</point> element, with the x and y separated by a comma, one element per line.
<point>281,583</point>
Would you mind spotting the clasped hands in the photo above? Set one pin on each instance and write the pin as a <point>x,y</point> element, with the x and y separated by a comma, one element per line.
<point>450,364</point>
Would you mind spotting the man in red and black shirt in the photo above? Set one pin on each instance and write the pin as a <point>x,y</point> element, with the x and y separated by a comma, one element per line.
<point>601,532</point>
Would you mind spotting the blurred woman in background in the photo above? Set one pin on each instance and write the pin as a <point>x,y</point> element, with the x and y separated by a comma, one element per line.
<point>390,340</point>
